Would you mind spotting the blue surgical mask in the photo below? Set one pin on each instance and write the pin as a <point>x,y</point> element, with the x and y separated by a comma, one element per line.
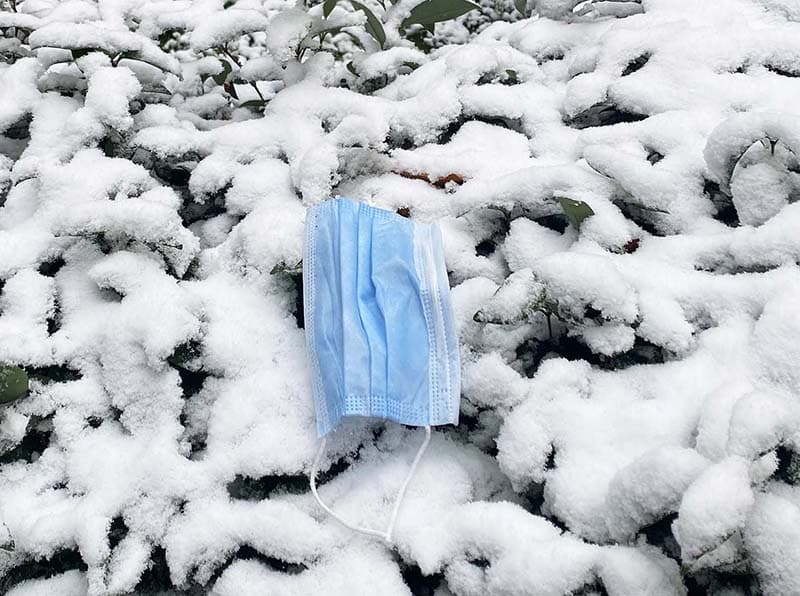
<point>379,324</point>
<point>378,320</point>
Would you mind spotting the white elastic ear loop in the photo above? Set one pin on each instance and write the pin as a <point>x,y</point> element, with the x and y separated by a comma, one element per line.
<point>399,499</point>
<point>387,535</point>
<point>330,511</point>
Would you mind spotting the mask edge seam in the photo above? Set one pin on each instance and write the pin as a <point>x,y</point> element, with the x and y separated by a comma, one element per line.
<point>309,289</point>
<point>420,264</point>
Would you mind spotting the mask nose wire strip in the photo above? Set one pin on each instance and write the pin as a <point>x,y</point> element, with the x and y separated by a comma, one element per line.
<point>387,535</point>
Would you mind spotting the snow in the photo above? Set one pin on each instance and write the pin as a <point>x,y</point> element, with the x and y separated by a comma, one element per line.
<point>27,301</point>
<point>21,79</point>
<point>629,407</point>
<point>110,91</point>
<point>285,32</point>
<point>759,423</point>
<point>224,26</point>
<point>109,39</point>
<point>772,537</point>
<point>70,583</point>
<point>651,487</point>
<point>713,507</point>
<point>528,242</point>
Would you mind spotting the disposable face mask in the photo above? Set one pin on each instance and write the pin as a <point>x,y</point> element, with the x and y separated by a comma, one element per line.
<point>379,324</point>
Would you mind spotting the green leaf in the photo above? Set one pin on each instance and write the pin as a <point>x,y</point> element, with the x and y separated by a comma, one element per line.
<point>13,383</point>
<point>576,211</point>
<point>436,11</point>
<point>327,7</point>
<point>221,77</point>
<point>351,68</point>
<point>253,103</point>
<point>521,6</point>
<point>373,25</point>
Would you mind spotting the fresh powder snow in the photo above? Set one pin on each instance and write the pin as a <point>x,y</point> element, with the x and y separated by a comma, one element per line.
<point>617,185</point>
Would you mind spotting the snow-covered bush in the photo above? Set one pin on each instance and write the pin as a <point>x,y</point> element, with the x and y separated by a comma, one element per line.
<point>617,187</point>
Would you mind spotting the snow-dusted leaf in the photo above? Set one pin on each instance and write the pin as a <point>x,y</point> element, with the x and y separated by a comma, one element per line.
<point>81,52</point>
<point>168,35</point>
<point>224,26</point>
<point>284,269</point>
<point>137,58</point>
<point>221,77</point>
<point>253,103</point>
<point>518,299</point>
<point>729,141</point>
<point>112,41</point>
<point>286,32</point>
<point>6,539</point>
<point>373,25</point>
